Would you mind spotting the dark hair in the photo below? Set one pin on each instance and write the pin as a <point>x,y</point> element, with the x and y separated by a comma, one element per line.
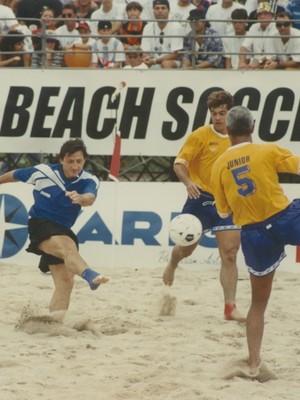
<point>10,40</point>
<point>219,98</point>
<point>71,146</point>
<point>239,14</point>
<point>134,4</point>
<point>283,14</point>
<point>70,6</point>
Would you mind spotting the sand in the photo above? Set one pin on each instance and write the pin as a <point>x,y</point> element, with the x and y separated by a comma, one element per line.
<point>136,339</point>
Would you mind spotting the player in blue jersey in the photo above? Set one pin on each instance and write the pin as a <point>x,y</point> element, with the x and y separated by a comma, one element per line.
<point>60,190</point>
<point>245,182</point>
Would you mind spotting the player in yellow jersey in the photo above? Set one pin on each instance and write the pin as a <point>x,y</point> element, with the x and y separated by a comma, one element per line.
<point>245,183</point>
<point>193,167</point>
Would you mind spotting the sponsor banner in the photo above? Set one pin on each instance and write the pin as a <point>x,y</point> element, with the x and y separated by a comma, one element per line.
<point>126,227</point>
<point>40,109</point>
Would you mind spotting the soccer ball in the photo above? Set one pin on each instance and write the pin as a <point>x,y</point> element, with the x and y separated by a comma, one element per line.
<point>185,229</point>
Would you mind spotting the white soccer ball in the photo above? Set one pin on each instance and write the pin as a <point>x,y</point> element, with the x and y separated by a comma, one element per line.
<point>185,229</point>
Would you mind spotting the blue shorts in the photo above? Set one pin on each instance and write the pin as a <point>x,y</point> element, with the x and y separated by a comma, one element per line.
<point>205,210</point>
<point>263,243</point>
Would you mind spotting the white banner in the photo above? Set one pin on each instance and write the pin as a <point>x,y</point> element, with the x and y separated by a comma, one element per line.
<point>126,227</point>
<point>40,109</point>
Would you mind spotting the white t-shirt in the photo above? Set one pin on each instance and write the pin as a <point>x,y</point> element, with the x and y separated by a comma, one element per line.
<point>67,37</point>
<point>217,12</point>
<point>141,66</point>
<point>117,12</point>
<point>233,45</point>
<point>110,52</point>
<point>284,51</point>
<point>5,23</point>
<point>178,13</point>
<point>161,42</point>
<point>257,44</point>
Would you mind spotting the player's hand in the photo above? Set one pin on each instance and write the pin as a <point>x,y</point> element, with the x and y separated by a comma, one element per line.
<point>193,190</point>
<point>74,196</point>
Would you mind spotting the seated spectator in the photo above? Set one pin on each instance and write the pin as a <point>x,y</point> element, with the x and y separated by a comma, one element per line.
<point>13,42</point>
<point>85,8</point>
<point>134,26</point>
<point>255,42</point>
<point>108,52</point>
<point>53,56</point>
<point>134,58</point>
<point>294,9</point>
<point>162,40</point>
<point>219,16</point>
<point>84,41</point>
<point>111,12</point>
<point>67,33</point>
<point>284,47</point>
<point>201,41</point>
<point>31,10</point>
<point>233,43</point>
<point>8,21</point>
<point>179,11</point>
<point>48,19</point>
<point>276,8</point>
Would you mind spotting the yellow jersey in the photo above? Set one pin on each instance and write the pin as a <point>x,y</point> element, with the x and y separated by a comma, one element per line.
<point>199,152</point>
<point>245,181</point>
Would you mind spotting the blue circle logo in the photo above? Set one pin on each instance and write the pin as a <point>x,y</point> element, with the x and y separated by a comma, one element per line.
<point>13,225</point>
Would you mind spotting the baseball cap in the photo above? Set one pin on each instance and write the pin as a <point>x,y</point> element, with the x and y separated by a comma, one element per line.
<point>134,49</point>
<point>104,25</point>
<point>161,2</point>
<point>83,25</point>
<point>196,14</point>
<point>264,8</point>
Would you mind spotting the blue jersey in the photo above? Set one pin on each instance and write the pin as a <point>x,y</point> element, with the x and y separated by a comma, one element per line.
<point>50,200</point>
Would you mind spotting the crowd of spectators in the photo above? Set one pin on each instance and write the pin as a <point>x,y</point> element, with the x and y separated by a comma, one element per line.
<point>150,34</point>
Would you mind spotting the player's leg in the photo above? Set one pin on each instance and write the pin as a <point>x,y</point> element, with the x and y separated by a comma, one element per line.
<point>261,289</point>
<point>178,254</point>
<point>228,244</point>
<point>63,285</point>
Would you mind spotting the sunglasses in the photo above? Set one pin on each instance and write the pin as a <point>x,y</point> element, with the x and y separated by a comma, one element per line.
<point>69,15</point>
<point>281,24</point>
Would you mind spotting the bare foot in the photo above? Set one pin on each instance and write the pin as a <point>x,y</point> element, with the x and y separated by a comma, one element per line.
<point>233,314</point>
<point>169,275</point>
<point>100,279</point>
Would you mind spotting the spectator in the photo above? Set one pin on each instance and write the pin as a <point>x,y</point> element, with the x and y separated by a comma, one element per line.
<point>134,26</point>
<point>294,9</point>
<point>180,12</point>
<point>53,52</point>
<point>284,48</point>
<point>48,19</point>
<point>255,42</point>
<point>108,52</point>
<point>8,21</point>
<point>276,8</point>
<point>85,8</point>
<point>134,58</point>
<point>13,42</point>
<point>67,33</point>
<point>219,16</point>
<point>108,11</point>
<point>13,4</point>
<point>84,41</point>
<point>80,53</point>
<point>162,40</point>
<point>233,43</point>
<point>208,47</point>
<point>30,10</point>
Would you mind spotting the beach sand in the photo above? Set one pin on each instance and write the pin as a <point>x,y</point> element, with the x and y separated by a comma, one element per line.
<point>136,339</point>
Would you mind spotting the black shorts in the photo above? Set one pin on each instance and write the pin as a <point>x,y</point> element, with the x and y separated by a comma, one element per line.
<point>41,229</point>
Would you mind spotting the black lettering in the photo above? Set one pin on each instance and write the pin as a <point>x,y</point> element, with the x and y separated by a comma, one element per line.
<point>186,96</point>
<point>268,114</point>
<point>295,137</point>
<point>72,107</point>
<point>16,116</point>
<point>42,111</point>
<point>248,97</point>
<point>133,111</point>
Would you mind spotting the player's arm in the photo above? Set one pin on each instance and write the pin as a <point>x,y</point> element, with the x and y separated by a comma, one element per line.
<point>183,175</point>
<point>8,177</point>
<point>84,200</point>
